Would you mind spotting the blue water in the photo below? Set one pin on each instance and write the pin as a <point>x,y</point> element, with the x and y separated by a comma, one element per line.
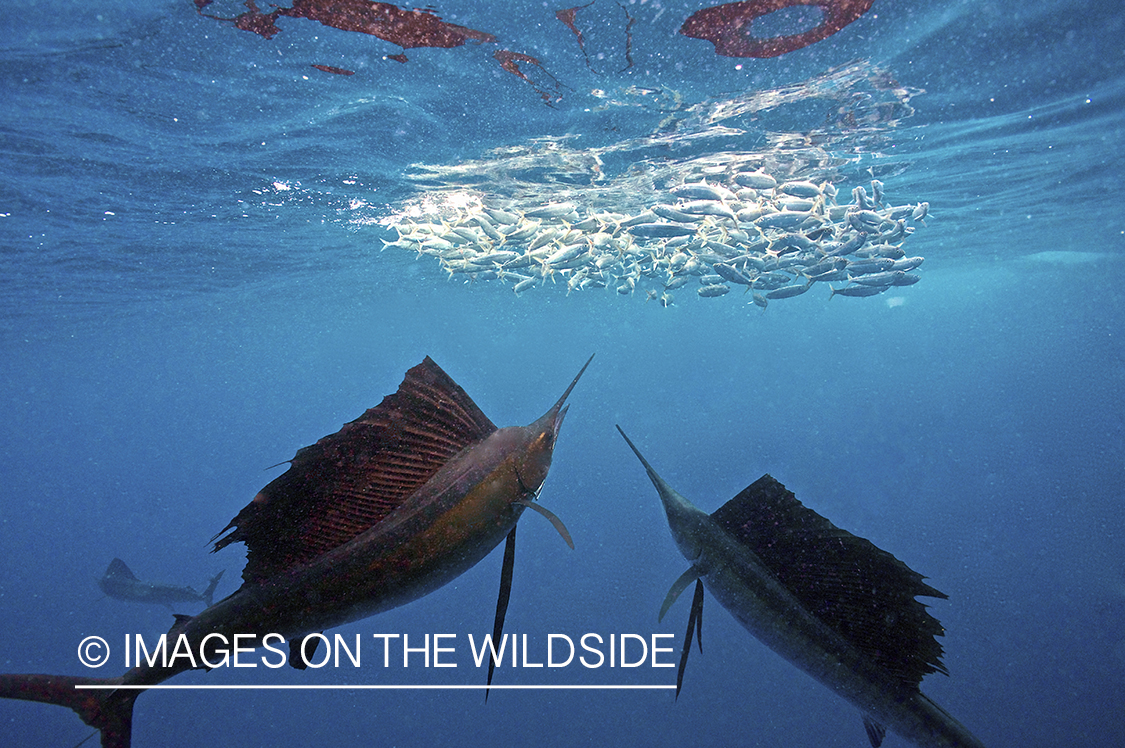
<point>192,289</point>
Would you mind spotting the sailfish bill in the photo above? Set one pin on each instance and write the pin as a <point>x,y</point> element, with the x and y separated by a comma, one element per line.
<point>394,505</point>
<point>831,603</point>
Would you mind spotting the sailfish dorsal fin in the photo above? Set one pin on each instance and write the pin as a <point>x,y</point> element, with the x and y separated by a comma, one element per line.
<point>349,481</point>
<point>862,592</point>
<point>117,569</point>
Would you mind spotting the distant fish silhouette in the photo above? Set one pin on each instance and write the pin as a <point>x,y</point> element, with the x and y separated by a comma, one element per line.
<point>831,603</point>
<point>119,583</point>
<point>396,504</point>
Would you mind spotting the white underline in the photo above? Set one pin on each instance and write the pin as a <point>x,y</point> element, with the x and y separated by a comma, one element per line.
<point>110,687</point>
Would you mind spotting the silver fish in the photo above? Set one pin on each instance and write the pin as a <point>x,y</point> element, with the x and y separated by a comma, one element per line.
<point>908,263</point>
<point>660,230</point>
<point>857,291</point>
<point>551,210</point>
<point>874,265</point>
<point>800,189</point>
<point>489,230</point>
<point>757,180</point>
<point>713,291</point>
<point>672,214</point>
<point>524,284</point>
<point>783,220</point>
<point>708,208</point>
<point>502,216</point>
<point>702,191</point>
<point>883,278</point>
<point>731,274</point>
<point>787,292</point>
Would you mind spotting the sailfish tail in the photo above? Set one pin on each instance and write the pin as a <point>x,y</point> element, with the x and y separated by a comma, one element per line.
<point>108,711</point>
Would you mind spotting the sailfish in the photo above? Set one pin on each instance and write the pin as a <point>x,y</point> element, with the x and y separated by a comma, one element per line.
<point>829,602</point>
<point>396,504</point>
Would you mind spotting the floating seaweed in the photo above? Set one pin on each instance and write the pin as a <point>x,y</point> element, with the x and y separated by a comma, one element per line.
<point>623,47</point>
<point>405,28</point>
<point>729,26</point>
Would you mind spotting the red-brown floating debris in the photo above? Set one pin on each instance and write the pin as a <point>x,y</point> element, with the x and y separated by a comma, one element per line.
<point>253,20</point>
<point>728,26</point>
<point>569,18</point>
<point>334,70</point>
<point>406,28</point>
<point>511,61</point>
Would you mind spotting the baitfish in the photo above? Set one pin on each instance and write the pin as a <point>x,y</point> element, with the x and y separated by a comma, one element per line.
<point>641,218</point>
<point>800,189</point>
<point>839,249</point>
<point>829,602</point>
<point>857,291</point>
<point>829,275</point>
<point>398,503</point>
<point>825,266</point>
<point>488,228</point>
<point>713,291</point>
<point>523,231</point>
<point>660,230</point>
<point>884,278</point>
<point>551,210</point>
<point>732,274</point>
<point>702,191</point>
<point>524,284</point>
<point>864,220</point>
<point>757,180</point>
<point>708,208</point>
<point>565,254</point>
<point>499,257</point>
<point>670,213</point>
<point>788,292</point>
<point>502,216</point>
<point>859,197</point>
<point>783,220</point>
<point>873,265</point>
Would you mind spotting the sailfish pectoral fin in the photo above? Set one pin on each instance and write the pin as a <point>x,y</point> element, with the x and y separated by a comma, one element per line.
<point>299,656</point>
<point>502,600</point>
<point>676,590</point>
<point>697,609</point>
<point>875,731</point>
<point>551,517</point>
<point>695,618</point>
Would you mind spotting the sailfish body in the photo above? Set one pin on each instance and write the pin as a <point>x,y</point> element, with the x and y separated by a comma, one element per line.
<point>829,602</point>
<point>394,505</point>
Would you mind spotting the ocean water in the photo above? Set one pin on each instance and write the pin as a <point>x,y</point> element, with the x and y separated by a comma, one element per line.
<point>194,286</point>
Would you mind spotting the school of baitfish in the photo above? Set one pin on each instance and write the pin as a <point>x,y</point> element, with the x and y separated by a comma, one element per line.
<point>712,232</point>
